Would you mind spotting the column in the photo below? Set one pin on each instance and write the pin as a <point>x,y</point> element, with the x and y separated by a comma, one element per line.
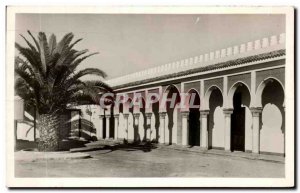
<point>227,133</point>
<point>100,130</point>
<point>225,90</point>
<point>162,116</point>
<point>107,126</point>
<point>255,129</point>
<point>116,116</point>
<point>185,134</point>
<point>204,131</point>
<point>148,127</point>
<point>126,124</point>
<point>136,125</point>
<point>253,88</point>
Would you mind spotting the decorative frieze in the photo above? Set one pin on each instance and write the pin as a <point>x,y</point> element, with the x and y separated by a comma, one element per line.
<point>192,85</point>
<point>278,73</point>
<point>246,78</point>
<point>216,82</point>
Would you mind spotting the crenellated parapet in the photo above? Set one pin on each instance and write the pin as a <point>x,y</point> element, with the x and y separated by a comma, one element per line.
<point>264,45</point>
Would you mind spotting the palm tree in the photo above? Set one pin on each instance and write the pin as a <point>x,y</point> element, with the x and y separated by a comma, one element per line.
<point>47,80</point>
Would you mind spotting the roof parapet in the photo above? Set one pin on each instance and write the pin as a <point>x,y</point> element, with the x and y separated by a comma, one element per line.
<point>263,45</point>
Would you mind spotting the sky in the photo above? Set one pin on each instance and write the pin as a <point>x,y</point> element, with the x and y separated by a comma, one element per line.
<point>133,42</point>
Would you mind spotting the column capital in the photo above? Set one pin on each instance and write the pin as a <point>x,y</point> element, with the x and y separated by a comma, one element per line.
<point>126,115</point>
<point>204,112</point>
<point>228,111</point>
<point>107,116</point>
<point>136,115</point>
<point>256,111</point>
<point>148,115</point>
<point>116,115</point>
<point>185,113</point>
<point>101,116</point>
<point>162,114</point>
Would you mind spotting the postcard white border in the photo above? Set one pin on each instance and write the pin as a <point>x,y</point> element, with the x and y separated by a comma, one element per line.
<point>288,181</point>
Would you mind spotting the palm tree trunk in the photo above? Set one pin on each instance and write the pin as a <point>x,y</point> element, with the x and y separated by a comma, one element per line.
<point>48,126</point>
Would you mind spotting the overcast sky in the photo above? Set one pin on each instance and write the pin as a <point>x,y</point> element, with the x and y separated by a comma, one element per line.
<point>130,43</point>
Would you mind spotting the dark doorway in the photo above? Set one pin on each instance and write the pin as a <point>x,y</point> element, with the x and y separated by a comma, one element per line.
<point>194,122</point>
<point>238,124</point>
<point>104,128</point>
<point>111,126</point>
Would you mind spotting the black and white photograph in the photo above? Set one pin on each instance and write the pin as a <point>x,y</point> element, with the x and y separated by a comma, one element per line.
<point>150,97</point>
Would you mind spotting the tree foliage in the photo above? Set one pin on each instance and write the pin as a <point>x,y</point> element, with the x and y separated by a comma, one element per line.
<point>47,75</point>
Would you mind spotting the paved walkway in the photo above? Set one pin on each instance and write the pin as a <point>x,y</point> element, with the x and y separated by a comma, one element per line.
<point>155,162</point>
<point>263,157</point>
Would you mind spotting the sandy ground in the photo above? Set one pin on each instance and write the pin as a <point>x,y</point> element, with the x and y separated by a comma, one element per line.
<point>156,163</point>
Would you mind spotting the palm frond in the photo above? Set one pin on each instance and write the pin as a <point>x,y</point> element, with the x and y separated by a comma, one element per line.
<point>34,61</point>
<point>73,44</point>
<point>29,44</point>
<point>64,43</point>
<point>78,61</point>
<point>44,52</point>
<point>35,41</point>
<point>89,71</point>
<point>52,43</point>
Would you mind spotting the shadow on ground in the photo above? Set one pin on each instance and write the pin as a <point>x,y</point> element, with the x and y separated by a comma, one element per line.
<point>64,145</point>
<point>143,146</point>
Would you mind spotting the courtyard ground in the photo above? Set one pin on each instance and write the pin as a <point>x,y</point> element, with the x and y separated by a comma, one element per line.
<point>159,162</point>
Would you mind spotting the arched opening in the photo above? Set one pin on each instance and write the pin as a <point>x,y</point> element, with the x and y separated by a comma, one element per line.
<point>194,119</point>
<point>273,118</point>
<point>215,119</point>
<point>241,102</point>
<point>172,115</point>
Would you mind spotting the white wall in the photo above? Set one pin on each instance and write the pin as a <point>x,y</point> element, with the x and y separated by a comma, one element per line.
<point>217,127</point>
<point>141,129</point>
<point>153,129</point>
<point>272,119</point>
<point>248,129</point>
<point>122,126</point>
<point>167,140</point>
<point>271,136</point>
<point>130,127</point>
<point>25,129</point>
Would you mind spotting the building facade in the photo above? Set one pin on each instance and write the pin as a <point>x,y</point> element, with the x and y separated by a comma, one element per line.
<point>240,91</point>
